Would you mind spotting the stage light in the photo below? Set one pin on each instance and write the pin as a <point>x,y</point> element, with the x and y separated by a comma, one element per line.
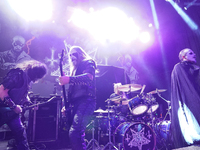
<point>109,24</point>
<point>32,10</point>
<point>185,17</point>
<point>145,37</point>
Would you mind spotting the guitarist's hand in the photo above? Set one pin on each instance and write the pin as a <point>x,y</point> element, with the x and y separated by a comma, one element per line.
<point>64,80</point>
<point>17,109</point>
<point>3,92</point>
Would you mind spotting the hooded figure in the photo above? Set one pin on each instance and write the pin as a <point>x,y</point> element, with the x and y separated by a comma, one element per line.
<point>185,100</point>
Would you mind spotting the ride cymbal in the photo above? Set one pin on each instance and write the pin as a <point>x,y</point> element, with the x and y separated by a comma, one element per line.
<point>157,91</point>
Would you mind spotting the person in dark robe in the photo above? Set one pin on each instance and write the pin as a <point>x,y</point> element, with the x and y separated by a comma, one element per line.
<point>185,100</point>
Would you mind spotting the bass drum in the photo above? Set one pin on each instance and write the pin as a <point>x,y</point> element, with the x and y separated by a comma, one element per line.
<point>134,136</point>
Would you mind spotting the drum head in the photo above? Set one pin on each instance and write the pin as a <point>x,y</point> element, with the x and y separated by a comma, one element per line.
<point>153,108</point>
<point>135,136</point>
<point>140,109</point>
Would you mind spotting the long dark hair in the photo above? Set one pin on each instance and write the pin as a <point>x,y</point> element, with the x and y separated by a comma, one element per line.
<point>34,69</point>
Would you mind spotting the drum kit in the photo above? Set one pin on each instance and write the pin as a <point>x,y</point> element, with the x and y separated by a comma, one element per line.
<point>130,124</point>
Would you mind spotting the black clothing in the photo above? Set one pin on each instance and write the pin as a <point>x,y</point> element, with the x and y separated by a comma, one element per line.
<point>80,84</point>
<point>18,84</point>
<point>185,93</point>
<point>81,95</point>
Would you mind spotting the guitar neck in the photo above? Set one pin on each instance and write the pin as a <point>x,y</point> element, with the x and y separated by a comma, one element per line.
<point>38,104</point>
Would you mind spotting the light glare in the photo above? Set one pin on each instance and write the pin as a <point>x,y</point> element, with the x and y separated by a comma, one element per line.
<point>32,10</point>
<point>144,37</point>
<point>109,24</point>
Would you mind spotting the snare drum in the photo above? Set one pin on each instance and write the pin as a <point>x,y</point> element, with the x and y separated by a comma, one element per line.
<point>134,136</point>
<point>137,106</point>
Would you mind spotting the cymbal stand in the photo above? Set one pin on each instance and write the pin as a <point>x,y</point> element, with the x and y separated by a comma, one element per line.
<point>92,142</point>
<point>109,144</point>
<point>150,98</point>
<point>168,104</point>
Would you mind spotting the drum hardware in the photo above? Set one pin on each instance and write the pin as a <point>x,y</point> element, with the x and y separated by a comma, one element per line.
<point>109,144</point>
<point>93,142</point>
<point>168,104</point>
<point>151,109</point>
<point>162,128</point>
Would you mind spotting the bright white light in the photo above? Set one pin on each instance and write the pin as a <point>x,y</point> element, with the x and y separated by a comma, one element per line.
<point>109,24</point>
<point>145,37</point>
<point>150,25</point>
<point>79,18</point>
<point>32,9</point>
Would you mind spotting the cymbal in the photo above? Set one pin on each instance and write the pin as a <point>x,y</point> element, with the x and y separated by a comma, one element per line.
<point>129,87</point>
<point>157,91</point>
<point>120,100</point>
<point>103,111</point>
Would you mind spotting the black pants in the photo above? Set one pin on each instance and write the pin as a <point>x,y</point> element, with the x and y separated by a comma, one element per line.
<point>9,117</point>
<point>82,113</point>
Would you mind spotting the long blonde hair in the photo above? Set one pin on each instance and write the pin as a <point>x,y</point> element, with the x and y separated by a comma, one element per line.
<point>82,55</point>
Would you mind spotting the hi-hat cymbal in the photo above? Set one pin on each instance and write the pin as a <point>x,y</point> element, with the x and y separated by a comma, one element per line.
<point>157,91</point>
<point>129,87</point>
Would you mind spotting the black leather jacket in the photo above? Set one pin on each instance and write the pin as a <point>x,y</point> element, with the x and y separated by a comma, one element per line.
<point>81,86</point>
<point>17,82</point>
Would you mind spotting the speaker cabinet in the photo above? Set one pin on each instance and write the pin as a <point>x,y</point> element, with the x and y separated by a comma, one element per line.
<point>44,123</point>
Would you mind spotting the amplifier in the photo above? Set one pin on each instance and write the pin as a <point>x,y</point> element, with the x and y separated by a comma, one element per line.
<point>43,124</point>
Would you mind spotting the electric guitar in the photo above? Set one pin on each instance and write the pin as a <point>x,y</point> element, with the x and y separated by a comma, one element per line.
<point>66,101</point>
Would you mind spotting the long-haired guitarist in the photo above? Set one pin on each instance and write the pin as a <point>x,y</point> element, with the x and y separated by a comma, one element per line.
<point>14,92</point>
<point>81,94</point>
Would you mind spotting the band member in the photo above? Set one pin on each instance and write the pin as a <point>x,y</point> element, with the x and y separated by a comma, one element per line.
<point>185,100</point>
<point>13,94</point>
<point>81,94</point>
<point>131,72</point>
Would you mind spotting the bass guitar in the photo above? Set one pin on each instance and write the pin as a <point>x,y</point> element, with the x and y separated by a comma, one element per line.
<point>66,101</point>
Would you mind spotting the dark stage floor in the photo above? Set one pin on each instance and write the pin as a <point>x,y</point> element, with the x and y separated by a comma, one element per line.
<point>103,139</point>
<point>3,146</point>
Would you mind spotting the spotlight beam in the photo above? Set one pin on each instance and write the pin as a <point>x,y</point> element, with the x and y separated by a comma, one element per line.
<point>185,17</point>
<point>190,4</point>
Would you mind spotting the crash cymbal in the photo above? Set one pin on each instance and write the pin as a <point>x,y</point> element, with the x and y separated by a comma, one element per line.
<point>116,98</point>
<point>157,91</point>
<point>129,87</point>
